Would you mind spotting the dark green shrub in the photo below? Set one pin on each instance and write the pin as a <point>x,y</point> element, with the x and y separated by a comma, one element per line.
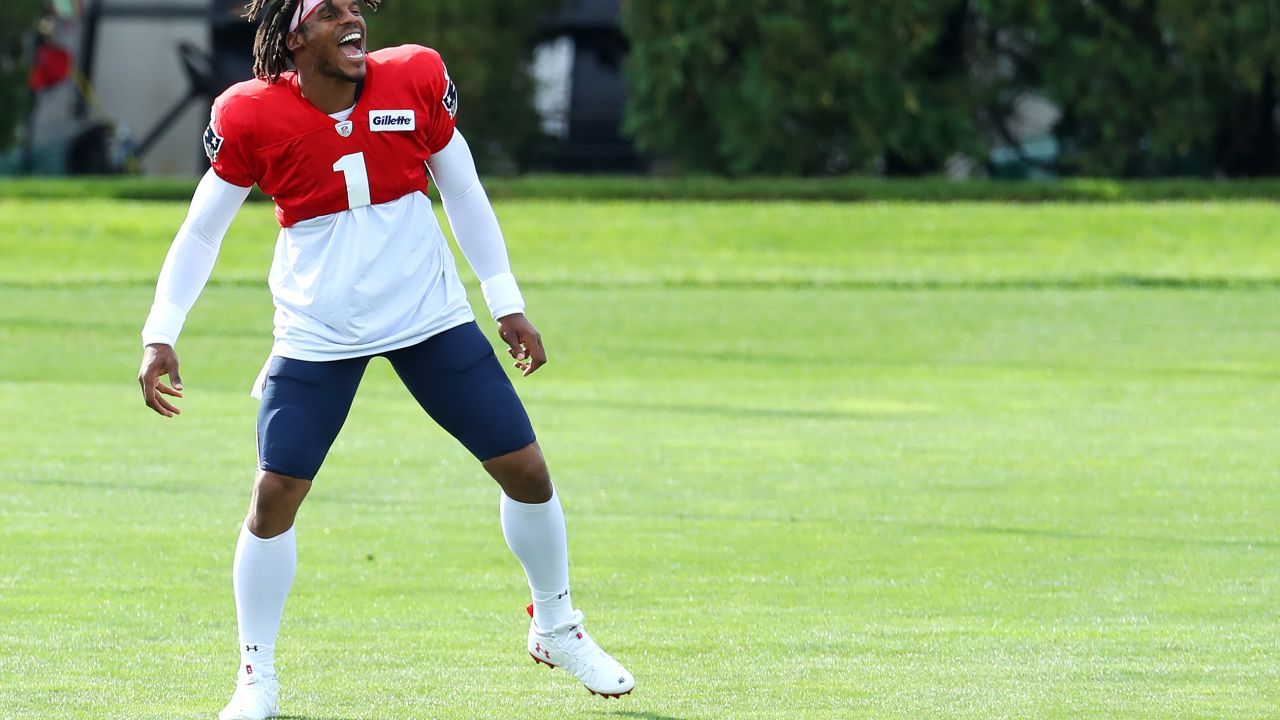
<point>800,86</point>
<point>1152,87</point>
<point>1146,87</point>
<point>20,15</point>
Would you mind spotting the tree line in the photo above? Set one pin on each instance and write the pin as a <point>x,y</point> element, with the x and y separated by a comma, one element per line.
<point>829,87</point>
<point>812,87</point>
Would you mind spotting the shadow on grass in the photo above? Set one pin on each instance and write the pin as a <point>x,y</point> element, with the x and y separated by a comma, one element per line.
<point>630,714</point>
<point>1053,534</point>
<point>729,411</point>
<point>636,715</point>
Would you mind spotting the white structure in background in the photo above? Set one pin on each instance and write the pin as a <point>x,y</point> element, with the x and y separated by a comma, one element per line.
<point>552,71</point>
<point>137,76</point>
<point>580,90</point>
<point>130,49</point>
<point>1030,126</point>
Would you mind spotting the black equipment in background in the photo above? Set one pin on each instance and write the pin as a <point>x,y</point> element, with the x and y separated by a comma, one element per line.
<point>598,89</point>
<point>207,73</point>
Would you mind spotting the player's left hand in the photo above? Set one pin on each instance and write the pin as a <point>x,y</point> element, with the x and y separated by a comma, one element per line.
<point>523,341</point>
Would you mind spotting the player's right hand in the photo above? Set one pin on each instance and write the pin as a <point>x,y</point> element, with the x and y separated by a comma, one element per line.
<point>159,361</point>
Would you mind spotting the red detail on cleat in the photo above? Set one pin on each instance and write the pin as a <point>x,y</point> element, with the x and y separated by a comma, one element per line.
<point>540,661</point>
<point>607,696</point>
<point>579,636</point>
<point>529,609</point>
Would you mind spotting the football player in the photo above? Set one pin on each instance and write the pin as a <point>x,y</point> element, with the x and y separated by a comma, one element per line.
<point>346,143</point>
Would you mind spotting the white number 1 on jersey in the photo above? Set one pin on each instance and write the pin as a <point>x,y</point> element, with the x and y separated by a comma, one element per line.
<point>353,169</point>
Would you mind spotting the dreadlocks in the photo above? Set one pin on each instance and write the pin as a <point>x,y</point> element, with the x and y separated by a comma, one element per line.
<point>271,54</point>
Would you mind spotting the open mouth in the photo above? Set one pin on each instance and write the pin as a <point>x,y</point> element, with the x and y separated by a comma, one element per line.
<point>351,46</point>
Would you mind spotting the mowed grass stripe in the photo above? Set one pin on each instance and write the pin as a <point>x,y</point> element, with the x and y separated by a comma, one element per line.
<point>803,244</point>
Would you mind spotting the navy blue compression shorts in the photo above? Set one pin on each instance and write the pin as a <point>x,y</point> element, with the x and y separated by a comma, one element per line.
<point>454,376</point>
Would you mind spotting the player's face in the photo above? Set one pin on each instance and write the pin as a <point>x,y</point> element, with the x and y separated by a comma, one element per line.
<point>334,36</point>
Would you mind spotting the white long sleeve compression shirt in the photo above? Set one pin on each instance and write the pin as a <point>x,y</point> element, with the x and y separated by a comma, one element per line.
<point>191,257</point>
<point>475,227</point>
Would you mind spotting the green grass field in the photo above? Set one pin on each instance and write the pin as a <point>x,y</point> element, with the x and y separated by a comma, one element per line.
<point>818,461</point>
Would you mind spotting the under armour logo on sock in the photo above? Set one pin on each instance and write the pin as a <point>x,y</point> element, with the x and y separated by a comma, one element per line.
<point>562,595</point>
<point>254,648</point>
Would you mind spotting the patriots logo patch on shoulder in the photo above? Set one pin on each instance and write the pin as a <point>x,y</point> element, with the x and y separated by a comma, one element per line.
<point>450,99</point>
<point>212,143</point>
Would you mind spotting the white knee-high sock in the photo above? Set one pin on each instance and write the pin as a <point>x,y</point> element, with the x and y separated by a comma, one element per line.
<point>535,533</point>
<point>262,575</point>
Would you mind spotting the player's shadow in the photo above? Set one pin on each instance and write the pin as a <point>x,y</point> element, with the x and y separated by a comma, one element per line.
<point>730,411</point>
<point>631,714</point>
<point>1163,540</point>
<point>636,715</point>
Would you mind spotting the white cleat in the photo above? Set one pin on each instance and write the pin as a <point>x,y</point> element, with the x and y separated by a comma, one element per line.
<point>568,646</point>
<point>257,697</point>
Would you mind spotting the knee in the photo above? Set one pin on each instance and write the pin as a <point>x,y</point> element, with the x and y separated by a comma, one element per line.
<point>529,473</point>
<point>523,475</point>
<point>275,503</point>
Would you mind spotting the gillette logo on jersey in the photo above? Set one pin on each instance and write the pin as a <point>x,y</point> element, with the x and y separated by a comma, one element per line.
<point>268,134</point>
<point>391,121</point>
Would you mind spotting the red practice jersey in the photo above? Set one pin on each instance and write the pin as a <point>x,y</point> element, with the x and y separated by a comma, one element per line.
<point>312,165</point>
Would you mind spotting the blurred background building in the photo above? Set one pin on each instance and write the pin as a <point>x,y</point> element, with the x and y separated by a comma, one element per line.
<point>144,75</point>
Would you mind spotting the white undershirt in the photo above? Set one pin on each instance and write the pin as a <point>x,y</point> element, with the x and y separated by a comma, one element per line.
<point>364,281</point>
<point>357,282</point>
